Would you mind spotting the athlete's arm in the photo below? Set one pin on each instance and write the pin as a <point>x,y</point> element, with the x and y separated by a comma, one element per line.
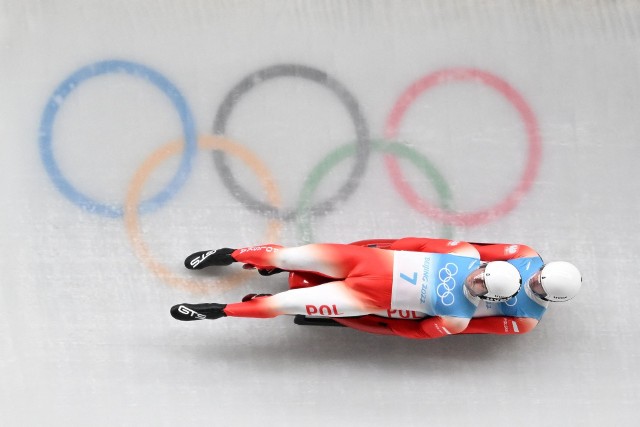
<point>442,246</point>
<point>503,252</point>
<point>500,325</point>
<point>371,324</point>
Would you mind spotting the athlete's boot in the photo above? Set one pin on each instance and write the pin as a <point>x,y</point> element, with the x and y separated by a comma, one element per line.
<point>202,259</point>
<point>187,312</point>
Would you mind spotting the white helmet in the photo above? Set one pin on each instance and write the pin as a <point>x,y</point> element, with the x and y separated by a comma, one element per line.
<point>556,281</point>
<point>502,281</point>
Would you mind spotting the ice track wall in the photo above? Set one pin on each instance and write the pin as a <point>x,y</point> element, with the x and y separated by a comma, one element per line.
<point>134,133</point>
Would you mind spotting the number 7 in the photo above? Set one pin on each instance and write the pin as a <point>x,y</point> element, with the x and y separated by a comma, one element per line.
<point>413,279</point>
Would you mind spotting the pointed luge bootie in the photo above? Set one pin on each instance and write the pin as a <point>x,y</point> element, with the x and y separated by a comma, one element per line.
<point>213,257</point>
<point>188,312</point>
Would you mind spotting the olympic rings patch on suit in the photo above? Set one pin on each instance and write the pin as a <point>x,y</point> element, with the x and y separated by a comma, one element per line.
<point>448,283</point>
<point>305,209</point>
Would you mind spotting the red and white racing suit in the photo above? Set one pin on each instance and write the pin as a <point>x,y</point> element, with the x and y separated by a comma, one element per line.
<point>360,281</point>
<point>483,321</point>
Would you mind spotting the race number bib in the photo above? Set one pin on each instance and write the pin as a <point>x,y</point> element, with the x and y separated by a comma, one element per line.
<point>432,283</point>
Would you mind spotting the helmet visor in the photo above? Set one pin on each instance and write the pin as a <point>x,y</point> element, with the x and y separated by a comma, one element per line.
<point>535,284</point>
<point>475,282</point>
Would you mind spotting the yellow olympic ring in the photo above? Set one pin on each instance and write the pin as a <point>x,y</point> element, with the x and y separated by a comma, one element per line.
<point>131,217</point>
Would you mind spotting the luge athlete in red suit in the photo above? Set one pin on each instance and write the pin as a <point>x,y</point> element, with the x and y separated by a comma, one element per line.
<point>442,280</point>
<point>542,283</point>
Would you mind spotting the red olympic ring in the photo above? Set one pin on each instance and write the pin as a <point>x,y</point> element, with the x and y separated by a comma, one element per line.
<point>533,136</point>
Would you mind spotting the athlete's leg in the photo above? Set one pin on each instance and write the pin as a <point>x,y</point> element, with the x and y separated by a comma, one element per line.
<point>327,259</point>
<point>333,299</point>
<point>305,279</point>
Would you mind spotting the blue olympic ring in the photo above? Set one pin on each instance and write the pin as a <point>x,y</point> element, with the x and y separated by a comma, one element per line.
<point>137,70</point>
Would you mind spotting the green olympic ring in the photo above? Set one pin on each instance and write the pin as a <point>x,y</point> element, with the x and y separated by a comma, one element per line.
<point>341,153</point>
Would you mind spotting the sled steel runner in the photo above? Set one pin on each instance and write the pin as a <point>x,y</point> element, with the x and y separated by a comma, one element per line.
<point>302,320</point>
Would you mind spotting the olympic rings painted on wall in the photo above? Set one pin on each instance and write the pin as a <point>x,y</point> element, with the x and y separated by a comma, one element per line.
<point>321,78</point>
<point>305,209</point>
<point>341,153</point>
<point>98,69</point>
<point>312,74</point>
<point>131,216</point>
<point>517,101</point>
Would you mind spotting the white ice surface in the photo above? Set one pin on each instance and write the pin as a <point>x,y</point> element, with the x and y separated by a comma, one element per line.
<point>85,333</point>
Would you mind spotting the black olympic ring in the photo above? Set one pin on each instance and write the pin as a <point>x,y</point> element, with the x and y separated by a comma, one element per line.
<point>363,149</point>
